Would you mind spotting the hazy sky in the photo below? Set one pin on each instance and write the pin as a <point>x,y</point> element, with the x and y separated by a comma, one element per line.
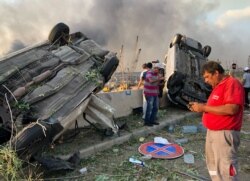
<point>222,24</point>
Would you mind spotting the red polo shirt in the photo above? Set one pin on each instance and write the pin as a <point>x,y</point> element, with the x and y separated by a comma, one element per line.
<point>228,91</point>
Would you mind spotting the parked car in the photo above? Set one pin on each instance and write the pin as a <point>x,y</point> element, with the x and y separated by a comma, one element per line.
<point>185,59</point>
<point>45,87</point>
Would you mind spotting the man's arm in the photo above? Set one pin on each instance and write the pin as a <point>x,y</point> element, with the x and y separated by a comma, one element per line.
<point>139,84</point>
<point>227,109</point>
<point>156,80</point>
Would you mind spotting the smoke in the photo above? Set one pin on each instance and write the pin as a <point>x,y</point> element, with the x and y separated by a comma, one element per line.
<point>113,23</point>
<point>16,45</point>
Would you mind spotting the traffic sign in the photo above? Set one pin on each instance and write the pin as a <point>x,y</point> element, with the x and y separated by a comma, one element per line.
<point>164,151</point>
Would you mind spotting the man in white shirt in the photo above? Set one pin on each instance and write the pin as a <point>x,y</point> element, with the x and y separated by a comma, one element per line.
<point>144,67</point>
<point>233,70</point>
<point>142,77</point>
<point>246,85</point>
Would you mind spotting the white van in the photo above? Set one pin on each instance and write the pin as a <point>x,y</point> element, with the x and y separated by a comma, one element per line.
<point>185,59</point>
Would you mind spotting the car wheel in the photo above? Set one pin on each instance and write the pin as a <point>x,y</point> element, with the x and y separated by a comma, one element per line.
<point>108,68</point>
<point>4,135</point>
<point>176,40</point>
<point>206,50</point>
<point>30,141</point>
<point>199,46</point>
<point>5,131</point>
<point>57,34</point>
<point>170,45</point>
<point>175,83</point>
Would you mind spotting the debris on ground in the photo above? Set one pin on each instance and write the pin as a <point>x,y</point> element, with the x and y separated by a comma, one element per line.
<point>141,139</point>
<point>170,128</point>
<point>51,163</point>
<point>189,129</point>
<point>146,157</point>
<point>161,140</point>
<point>83,170</point>
<point>181,141</point>
<point>109,165</point>
<point>136,161</point>
<point>189,158</point>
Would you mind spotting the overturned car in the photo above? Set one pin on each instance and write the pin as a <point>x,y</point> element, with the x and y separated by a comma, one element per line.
<point>44,88</point>
<point>185,59</point>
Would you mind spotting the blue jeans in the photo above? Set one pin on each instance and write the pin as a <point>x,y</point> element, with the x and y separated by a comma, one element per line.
<point>152,109</point>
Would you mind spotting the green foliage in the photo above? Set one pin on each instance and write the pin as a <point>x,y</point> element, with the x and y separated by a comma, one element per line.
<point>94,76</point>
<point>102,178</point>
<point>12,169</point>
<point>10,164</point>
<point>22,106</point>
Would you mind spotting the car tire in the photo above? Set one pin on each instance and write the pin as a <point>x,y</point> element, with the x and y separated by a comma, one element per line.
<point>30,141</point>
<point>57,33</point>
<point>175,83</point>
<point>108,68</point>
<point>206,50</point>
<point>176,40</point>
<point>199,46</point>
<point>4,135</point>
<point>5,129</point>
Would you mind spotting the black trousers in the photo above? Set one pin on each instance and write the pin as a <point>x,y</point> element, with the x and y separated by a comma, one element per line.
<point>246,95</point>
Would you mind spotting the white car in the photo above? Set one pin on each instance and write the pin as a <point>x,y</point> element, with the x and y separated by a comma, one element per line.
<point>185,83</point>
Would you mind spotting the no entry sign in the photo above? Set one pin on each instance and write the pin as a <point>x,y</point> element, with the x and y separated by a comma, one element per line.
<point>164,151</point>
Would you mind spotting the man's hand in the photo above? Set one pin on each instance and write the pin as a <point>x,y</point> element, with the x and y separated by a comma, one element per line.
<point>227,109</point>
<point>196,107</point>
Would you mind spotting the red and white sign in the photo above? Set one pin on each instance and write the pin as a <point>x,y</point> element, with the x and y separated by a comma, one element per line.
<point>164,151</point>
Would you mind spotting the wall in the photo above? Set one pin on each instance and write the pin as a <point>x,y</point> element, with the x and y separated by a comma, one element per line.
<point>123,102</point>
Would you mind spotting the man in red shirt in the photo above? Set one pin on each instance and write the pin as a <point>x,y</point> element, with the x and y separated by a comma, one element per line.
<point>222,115</point>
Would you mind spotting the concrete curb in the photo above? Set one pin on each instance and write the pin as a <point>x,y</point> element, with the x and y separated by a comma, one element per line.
<point>136,133</point>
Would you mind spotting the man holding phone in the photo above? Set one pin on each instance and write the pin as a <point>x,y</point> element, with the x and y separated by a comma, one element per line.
<point>222,116</point>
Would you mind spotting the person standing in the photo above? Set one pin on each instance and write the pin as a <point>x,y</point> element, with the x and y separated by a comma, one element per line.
<point>145,68</point>
<point>151,92</point>
<point>162,82</point>
<point>233,70</point>
<point>222,116</point>
<point>246,85</point>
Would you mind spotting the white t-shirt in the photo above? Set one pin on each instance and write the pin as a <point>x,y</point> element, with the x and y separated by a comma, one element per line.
<point>246,77</point>
<point>141,75</point>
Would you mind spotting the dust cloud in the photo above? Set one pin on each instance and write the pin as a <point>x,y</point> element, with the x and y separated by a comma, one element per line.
<point>113,23</point>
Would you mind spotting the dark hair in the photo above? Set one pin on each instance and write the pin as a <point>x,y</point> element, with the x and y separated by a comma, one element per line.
<point>149,65</point>
<point>233,65</point>
<point>212,67</point>
<point>144,65</point>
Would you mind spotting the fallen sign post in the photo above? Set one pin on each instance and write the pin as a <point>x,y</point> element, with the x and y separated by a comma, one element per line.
<point>163,151</point>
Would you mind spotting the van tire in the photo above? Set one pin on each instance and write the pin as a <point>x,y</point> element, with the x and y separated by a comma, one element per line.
<point>108,68</point>
<point>57,33</point>
<point>175,83</point>
<point>206,50</point>
<point>176,40</point>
